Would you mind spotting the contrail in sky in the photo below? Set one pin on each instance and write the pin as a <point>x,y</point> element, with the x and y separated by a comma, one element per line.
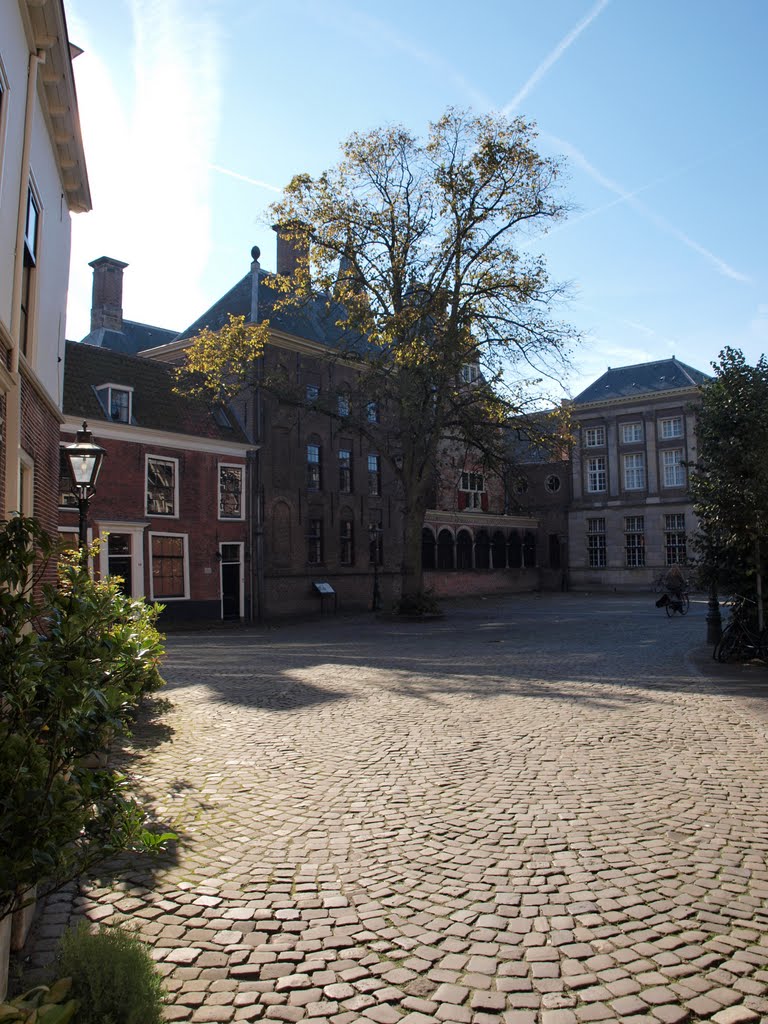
<point>630,197</point>
<point>554,56</point>
<point>245,178</point>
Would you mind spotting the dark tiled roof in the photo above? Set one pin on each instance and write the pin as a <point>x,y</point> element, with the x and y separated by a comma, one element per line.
<point>132,339</point>
<point>155,404</point>
<point>316,321</point>
<point>642,379</point>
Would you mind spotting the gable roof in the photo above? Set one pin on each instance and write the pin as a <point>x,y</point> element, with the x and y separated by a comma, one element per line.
<point>642,379</point>
<point>155,405</point>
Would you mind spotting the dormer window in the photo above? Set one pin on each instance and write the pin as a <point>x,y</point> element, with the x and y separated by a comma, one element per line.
<point>117,402</point>
<point>470,372</point>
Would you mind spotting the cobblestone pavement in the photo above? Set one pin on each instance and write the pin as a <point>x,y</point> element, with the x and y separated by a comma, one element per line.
<point>533,810</point>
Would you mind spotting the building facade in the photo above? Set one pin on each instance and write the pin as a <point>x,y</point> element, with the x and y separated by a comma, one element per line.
<point>43,180</point>
<point>171,507</point>
<point>630,516</point>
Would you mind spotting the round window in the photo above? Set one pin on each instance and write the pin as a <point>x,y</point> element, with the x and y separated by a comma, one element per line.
<point>552,483</point>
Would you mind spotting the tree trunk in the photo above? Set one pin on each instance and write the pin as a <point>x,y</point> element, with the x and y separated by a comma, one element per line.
<point>411,576</point>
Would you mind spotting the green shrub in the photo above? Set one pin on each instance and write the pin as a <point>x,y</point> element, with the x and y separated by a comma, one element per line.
<point>75,660</point>
<point>424,603</point>
<point>114,979</point>
<point>41,1005</point>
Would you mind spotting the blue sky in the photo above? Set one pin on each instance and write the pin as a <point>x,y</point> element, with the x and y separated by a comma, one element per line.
<point>196,112</point>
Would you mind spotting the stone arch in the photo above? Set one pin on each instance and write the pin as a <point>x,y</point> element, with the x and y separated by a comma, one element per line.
<point>445,550</point>
<point>482,550</point>
<point>428,548</point>
<point>464,550</point>
<point>499,550</point>
<point>515,548</point>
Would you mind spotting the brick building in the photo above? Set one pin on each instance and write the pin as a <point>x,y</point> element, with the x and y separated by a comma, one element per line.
<point>171,504</point>
<point>630,515</point>
<point>42,181</point>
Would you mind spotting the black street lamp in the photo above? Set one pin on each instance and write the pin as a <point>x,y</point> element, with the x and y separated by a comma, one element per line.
<point>85,459</point>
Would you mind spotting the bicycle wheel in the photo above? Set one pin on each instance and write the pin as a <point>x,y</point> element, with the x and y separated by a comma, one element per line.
<point>685,604</point>
<point>673,607</point>
<point>728,646</point>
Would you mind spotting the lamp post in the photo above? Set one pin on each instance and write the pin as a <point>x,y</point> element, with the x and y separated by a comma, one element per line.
<point>84,458</point>
<point>714,619</point>
<point>374,533</point>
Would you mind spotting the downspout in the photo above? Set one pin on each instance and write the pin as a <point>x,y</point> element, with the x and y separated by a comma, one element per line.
<point>13,403</point>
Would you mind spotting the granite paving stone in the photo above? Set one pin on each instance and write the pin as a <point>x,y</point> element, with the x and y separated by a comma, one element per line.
<point>537,810</point>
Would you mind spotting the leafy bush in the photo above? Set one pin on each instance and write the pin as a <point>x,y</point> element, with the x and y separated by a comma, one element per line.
<point>114,979</point>
<point>418,604</point>
<point>75,660</point>
<point>41,1005</point>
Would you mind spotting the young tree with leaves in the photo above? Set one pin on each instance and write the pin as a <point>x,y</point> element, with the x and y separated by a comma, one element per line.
<point>412,249</point>
<point>729,481</point>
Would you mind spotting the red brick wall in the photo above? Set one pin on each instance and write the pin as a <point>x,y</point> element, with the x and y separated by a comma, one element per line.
<point>120,496</point>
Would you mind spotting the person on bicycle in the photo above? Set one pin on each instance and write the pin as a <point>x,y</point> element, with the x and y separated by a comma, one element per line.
<point>674,584</point>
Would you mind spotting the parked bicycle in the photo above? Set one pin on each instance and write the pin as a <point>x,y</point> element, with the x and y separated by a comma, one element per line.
<point>741,640</point>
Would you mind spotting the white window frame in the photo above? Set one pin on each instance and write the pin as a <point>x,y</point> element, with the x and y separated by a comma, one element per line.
<point>136,531</point>
<point>185,538</point>
<point>468,483</point>
<point>673,471</point>
<point>594,437</point>
<point>597,474</point>
<point>241,546</point>
<point>668,428</point>
<point>27,488</point>
<point>28,332</point>
<point>107,404</point>
<point>632,433</point>
<point>597,543</point>
<point>470,372</point>
<point>162,458</point>
<point>634,542</point>
<point>241,467</point>
<point>633,467</point>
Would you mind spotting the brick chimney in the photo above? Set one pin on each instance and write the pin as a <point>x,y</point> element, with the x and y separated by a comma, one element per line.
<point>292,245</point>
<point>107,301</point>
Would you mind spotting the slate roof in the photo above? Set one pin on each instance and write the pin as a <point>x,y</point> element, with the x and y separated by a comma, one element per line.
<point>315,321</point>
<point>155,404</point>
<point>642,379</point>
<point>133,338</point>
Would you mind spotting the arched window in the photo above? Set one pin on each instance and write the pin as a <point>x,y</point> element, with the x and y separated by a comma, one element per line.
<point>515,550</point>
<point>428,546</point>
<point>499,551</point>
<point>529,549</point>
<point>482,550</point>
<point>464,550</point>
<point>445,550</point>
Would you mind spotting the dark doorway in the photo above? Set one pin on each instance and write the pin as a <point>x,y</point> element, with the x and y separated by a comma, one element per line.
<point>119,560</point>
<point>464,550</point>
<point>445,550</point>
<point>230,581</point>
<point>428,547</point>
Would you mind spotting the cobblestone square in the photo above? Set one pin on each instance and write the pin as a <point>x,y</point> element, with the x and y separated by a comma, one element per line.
<point>533,810</point>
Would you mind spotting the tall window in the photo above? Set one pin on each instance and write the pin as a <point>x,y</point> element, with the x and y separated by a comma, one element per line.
<point>596,544</point>
<point>671,426</point>
<point>230,492</point>
<point>31,234</point>
<point>634,472</point>
<point>472,490</point>
<point>315,541</point>
<point>162,485</point>
<point>596,474</point>
<point>313,467</point>
<point>594,437</point>
<point>470,372</point>
<point>372,412</point>
<point>345,471</point>
<point>674,470</point>
<point>631,433</point>
<point>313,393</point>
<point>346,542</point>
<point>168,566</point>
<point>374,474</point>
<point>343,406</point>
<point>674,538</point>
<point>634,541</point>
